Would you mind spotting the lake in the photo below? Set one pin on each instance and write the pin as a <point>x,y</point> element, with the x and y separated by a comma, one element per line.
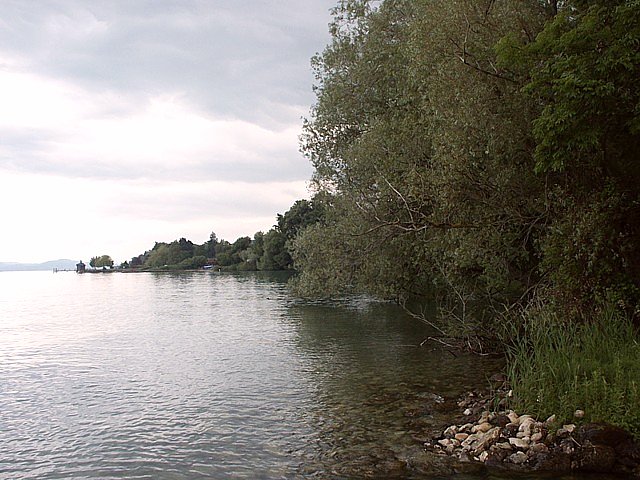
<point>213,375</point>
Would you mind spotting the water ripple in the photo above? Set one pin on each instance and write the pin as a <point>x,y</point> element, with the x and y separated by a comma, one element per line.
<point>180,376</point>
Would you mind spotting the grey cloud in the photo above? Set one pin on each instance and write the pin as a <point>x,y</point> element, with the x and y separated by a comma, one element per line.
<point>28,151</point>
<point>196,204</point>
<point>234,59</point>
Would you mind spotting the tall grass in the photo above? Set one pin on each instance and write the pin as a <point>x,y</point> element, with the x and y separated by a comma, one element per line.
<point>557,368</point>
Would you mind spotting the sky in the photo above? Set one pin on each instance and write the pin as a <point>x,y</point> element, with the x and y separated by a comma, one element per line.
<point>129,122</point>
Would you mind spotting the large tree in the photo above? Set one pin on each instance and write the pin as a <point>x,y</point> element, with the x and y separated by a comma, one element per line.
<point>422,146</point>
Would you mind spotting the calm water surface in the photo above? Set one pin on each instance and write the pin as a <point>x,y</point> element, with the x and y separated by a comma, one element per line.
<point>206,375</point>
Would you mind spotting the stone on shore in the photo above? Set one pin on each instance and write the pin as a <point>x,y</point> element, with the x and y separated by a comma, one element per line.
<point>507,440</point>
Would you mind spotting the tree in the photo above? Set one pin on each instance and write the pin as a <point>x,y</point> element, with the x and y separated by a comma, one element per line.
<point>582,72</point>
<point>102,261</point>
<point>421,144</point>
<point>211,245</point>
<point>300,215</point>
<point>158,256</point>
<point>276,255</point>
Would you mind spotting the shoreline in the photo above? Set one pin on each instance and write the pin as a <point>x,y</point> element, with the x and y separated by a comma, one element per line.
<point>503,441</point>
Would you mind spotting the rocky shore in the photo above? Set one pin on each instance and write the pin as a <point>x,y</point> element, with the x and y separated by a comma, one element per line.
<point>505,440</point>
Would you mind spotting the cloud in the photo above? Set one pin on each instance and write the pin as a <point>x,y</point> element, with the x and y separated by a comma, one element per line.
<point>227,57</point>
<point>82,218</point>
<point>128,122</point>
<point>58,128</point>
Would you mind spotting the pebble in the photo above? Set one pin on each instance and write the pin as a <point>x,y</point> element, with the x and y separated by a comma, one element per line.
<point>504,446</point>
<point>482,427</point>
<point>539,448</point>
<point>526,424</point>
<point>566,429</point>
<point>522,443</point>
<point>518,458</point>
<point>504,435</point>
<point>451,431</point>
<point>536,437</point>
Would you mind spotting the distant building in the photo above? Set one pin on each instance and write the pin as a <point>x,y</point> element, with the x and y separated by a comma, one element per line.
<point>80,267</point>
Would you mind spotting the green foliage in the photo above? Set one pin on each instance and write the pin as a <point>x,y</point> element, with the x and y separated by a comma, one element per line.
<point>587,63</point>
<point>480,152</point>
<point>276,255</point>
<point>301,215</point>
<point>100,262</point>
<point>591,253</point>
<point>420,158</point>
<point>478,149</point>
<point>270,251</point>
<point>557,367</point>
<point>582,72</point>
<point>195,262</point>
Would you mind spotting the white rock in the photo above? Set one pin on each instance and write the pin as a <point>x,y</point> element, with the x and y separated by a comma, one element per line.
<point>487,441</point>
<point>579,414</point>
<point>519,443</point>
<point>513,417</point>
<point>483,456</point>
<point>566,429</point>
<point>483,427</point>
<point>470,440</point>
<point>526,423</point>
<point>466,427</point>
<point>550,420</point>
<point>525,419</point>
<point>536,437</point>
<point>467,412</point>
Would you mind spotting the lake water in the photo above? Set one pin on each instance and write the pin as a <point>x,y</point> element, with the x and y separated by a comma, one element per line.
<point>209,375</point>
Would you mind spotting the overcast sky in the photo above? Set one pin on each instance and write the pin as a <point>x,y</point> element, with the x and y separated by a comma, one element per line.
<point>123,123</point>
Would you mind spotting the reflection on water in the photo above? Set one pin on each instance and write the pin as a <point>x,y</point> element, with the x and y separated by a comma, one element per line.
<point>207,375</point>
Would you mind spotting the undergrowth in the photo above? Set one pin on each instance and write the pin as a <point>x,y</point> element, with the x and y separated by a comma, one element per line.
<point>556,367</point>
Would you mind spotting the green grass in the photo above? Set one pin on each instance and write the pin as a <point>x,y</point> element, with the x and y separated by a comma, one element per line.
<point>556,368</point>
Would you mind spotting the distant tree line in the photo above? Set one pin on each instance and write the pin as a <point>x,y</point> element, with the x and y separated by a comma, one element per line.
<point>265,251</point>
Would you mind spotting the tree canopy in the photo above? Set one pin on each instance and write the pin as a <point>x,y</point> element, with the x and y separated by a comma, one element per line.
<point>101,261</point>
<point>476,150</point>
